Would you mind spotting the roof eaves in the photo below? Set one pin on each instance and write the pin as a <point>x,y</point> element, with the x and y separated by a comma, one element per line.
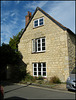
<point>56,22</point>
<point>69,31</point>
<point>59,24</point>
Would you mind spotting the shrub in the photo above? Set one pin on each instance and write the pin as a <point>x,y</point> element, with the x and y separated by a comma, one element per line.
<point>40,78</point>
<point>18,72</point>
<point>30,78</point>
<point>55,79</point>
<point>40,82</point>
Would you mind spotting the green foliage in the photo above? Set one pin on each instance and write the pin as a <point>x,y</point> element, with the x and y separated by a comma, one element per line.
<point>30,78</point>
<point>40,78</point>
<point>15,40</point>
<point>40,82</point>
<point>74,71</point>
<point>18,72</point>
<point>8,56</point>
<point>55,79</point>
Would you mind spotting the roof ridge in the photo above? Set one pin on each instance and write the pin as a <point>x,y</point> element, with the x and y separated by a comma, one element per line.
<point>54,20</point>
<point>52,17</point>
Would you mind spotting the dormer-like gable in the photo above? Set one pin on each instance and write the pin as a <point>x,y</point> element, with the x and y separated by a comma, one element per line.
<point>40,21</point>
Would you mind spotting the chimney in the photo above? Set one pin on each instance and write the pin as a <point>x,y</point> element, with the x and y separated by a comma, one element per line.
<point>28,17</point>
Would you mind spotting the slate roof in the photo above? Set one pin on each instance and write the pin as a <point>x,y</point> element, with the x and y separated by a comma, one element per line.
<point>51,18</point>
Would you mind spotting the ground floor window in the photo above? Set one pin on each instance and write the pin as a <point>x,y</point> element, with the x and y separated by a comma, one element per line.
<point>39,69</point>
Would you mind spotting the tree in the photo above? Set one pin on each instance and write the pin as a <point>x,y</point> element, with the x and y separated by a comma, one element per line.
<point>15,40</point>
<point>9,56</point>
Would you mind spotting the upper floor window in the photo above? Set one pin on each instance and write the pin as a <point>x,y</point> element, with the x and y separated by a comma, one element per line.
<point>38,45</point>
<point>38,22</point>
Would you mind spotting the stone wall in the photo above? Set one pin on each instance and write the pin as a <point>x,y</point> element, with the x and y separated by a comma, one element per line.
<point>56,54</point>
<point>71,51</point>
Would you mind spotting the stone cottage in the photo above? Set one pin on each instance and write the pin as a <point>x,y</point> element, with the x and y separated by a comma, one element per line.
<point>47,47</point>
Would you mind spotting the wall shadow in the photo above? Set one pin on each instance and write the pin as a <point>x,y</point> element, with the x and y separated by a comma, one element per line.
<point>15,89</point>
<point>15,98</point>
<point>71,50</point>
<point>12,67</point>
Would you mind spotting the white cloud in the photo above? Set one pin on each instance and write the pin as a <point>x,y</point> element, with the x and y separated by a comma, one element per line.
<point>8,28</point>
<point>64,12</point>
<point>4,19</point>
<point>5,37</point>
<point>17,2</point>
<point>7,2</point>
<point>5,16</point>
<point>7,31</point>
<point>34,4</point>
<point>12,14</point>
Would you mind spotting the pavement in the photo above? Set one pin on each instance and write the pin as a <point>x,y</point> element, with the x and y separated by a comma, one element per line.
<point>29,91</point>
<point>61,86</point>
<point>54,86</point>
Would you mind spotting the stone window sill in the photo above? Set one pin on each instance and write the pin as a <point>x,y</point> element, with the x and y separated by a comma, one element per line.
<point>38,52</point>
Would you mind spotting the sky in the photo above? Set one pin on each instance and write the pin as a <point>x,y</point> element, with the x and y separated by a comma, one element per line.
<point>13,15</point>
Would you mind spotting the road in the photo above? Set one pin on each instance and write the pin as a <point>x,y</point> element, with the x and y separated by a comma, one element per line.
<point>24,92</point>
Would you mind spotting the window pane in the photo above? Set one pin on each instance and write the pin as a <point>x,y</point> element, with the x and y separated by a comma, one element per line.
<point>35,69</point>
<point>43,40</point>
<point>36,23</point>
<point>35,65</point>
<point>41,21</point>
<point>38,45</point>
<point>44,64</point>
<point>39,69</point>
<point>43,48</point>
<point>38,40</point>
<point>43,44</point>
<point>35,73</point>
<point>39,65</point>
<point>39,49</point>
<point>44,69</point>
<point>39,73</point>
<point>44,73</point>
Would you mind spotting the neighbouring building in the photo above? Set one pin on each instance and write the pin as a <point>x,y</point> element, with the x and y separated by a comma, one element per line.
<point>47,47</point>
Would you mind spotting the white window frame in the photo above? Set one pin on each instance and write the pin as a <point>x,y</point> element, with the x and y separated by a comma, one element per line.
<point>41,44</point>
<point>33,69</point>
<point>35,48</point>
<point>41,70</point>
<point>38,22</point>
<point>34,22</point>
<point>33,45</point>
